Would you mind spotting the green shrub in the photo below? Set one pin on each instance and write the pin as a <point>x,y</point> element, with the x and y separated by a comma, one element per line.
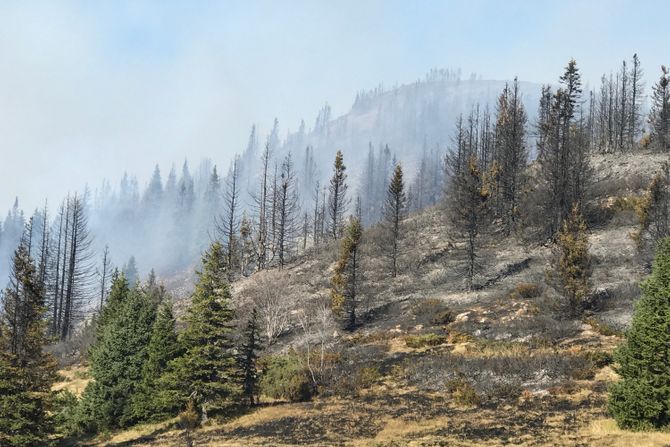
<point>67,415</point>
<point>424,340</point>
<point>285,377</point>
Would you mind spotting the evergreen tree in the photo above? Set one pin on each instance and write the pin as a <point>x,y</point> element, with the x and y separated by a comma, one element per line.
<point>117,357</point>
<point>563,162</point>
<point>636,95</point>
<point>659,116</point>
<point>248,357</point>
<point>288,211</point>
<point>150,403</point>
<point>130,271</point>
<point>26,372</point>
<point>573,268</point>
<point>641,399</point>
<point>337,197</point>
<point>653,211</point>
<point>394,215</point>
<point>512,154</point>
<point>468,197</point>
<point>344,283</point>
<point>207,369</point>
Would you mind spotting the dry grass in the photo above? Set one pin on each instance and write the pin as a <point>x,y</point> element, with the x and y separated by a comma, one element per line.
<point>605,433</point>
<point>74,379</point>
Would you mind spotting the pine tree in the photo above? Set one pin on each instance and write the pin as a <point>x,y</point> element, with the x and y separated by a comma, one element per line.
<point>573,268</point>
<point>564,164</point>
<point>248,357</point>
<point>207,369</point>
<point>636,94</point>
<point>394,215</point>
<point>346,280</point>
<point>659,116</point>
<point>26,372</point>
<point>288,211</point>
<point>130,271</point>
<point>512,154</point>
<point>117,357</point>
<point>150,403</point>
<point>653,211</point>
<point>468,197</point>
<point>337,197</point>
<point>228,225</point>
<point>641,399</point>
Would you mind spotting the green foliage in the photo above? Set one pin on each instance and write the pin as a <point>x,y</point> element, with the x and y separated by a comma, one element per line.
<point>68,417</point>
<point>345,281</point>
<point>641,399</point>
<point>573,267</point>
<point>117,358</point>
<point>150,403</point>
<point>424,340</point>
<point>285,377</point>
<point>26,372</point>
<point>653,211</point>
<point>208,369</point>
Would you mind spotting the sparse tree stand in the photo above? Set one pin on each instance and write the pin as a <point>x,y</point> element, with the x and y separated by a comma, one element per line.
<point>641,399</point>
<point>345,281</point>
<point>394,215</point>
<point>573,269</point>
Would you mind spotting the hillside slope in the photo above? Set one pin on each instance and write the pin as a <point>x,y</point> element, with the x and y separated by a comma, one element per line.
<point>507,367</point>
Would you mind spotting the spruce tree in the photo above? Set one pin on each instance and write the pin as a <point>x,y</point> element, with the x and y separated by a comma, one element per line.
<point>659,116</point>
<point>207,369</point>
<point>337,197</point>
<point>248,357</point>
<point>345,281</point>
<point>394,215</point>
<point>117,358</point>
<point>468,196</point>
<point>641,399</point>
<point>150,403</point>
<point>573,268</point>
<point>26,372</point>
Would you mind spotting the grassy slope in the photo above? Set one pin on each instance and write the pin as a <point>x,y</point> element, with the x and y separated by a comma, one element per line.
<point>532,371</point>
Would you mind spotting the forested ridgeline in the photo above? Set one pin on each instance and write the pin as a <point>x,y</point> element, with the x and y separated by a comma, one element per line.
<point>497,175</point>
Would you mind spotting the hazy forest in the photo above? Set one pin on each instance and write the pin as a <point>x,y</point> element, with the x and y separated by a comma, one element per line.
<point>456,260</point>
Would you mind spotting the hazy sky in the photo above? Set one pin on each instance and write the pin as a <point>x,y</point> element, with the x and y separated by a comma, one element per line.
<point>90,89</point>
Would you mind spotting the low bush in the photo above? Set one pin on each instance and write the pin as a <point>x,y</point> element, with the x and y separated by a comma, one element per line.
<point>602,328</point>
<point>443,317</point>
<point>424,340</point>
<point>600,358</point>
<point>526,290</point>
<point>462,393</point>
<point>67,417</point>
<point>285,377</point>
